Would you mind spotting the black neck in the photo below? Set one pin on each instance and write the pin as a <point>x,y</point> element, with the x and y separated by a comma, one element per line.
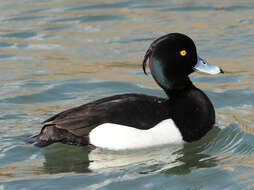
<point>178,86</point>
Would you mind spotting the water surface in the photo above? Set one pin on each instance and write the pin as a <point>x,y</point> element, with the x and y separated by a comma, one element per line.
<point>56,55</point>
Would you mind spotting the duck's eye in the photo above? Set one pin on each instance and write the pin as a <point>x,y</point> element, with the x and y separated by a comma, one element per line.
<point>183,53</point>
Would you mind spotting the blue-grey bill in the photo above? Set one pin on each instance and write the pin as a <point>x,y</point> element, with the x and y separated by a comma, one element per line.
<point>205,67</point>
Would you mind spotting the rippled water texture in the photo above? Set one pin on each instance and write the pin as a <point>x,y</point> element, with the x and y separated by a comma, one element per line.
<point>57,54</point>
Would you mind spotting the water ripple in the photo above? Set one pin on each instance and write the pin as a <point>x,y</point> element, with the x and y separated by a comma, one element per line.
<point>25,18</point>
<point>60,54</point>
<point>103,6</point>
<point>91,18</point>
<point>19,35</point>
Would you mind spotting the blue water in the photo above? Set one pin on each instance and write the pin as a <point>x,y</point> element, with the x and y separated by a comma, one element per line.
<point>55,55</point>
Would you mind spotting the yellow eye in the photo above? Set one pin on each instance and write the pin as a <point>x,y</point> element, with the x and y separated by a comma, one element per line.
<point>183,53</point>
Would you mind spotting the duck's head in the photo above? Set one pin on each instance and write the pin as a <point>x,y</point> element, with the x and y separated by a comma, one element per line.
<point>172,58</point>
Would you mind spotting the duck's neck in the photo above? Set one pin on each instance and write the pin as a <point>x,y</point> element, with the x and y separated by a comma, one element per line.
<point>178,86</point>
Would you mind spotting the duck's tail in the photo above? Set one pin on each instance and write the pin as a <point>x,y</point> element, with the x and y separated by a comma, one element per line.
<point>35,140</point>
<point>51,134</point>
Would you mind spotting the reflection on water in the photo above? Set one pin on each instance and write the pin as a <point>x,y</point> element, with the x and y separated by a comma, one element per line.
<point>56,55</point>
<point>63,158</point>
<point>195,155</point>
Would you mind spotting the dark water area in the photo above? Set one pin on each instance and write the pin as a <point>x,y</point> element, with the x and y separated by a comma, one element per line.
<point>55,55</point>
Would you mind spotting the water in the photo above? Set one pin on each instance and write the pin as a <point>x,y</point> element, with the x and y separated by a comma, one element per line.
<point>56,55</point>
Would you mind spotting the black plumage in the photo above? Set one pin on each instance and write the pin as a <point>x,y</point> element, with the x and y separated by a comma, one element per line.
<point>186,105</point>
<point>73,126</point>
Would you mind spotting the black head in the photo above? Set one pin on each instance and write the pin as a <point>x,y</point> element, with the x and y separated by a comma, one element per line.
<point>172,58</point>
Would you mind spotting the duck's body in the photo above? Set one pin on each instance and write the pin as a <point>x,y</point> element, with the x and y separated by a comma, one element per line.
<point>130,121</point>
<point>109,122</point>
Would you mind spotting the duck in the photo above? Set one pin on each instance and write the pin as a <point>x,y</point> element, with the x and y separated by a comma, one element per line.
<point>133,120</point>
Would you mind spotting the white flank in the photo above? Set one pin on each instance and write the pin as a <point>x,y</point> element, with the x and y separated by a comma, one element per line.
<point>120,137</point>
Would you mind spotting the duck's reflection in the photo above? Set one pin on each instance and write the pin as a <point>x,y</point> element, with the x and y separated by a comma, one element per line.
<point>177,159</point>
<point>60,158</point>
<point>193,155</point>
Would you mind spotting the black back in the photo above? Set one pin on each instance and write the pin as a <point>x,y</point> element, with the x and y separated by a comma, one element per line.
<point>134,110</point>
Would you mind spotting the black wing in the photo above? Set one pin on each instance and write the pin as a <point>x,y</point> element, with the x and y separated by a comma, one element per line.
<point>135,110</point>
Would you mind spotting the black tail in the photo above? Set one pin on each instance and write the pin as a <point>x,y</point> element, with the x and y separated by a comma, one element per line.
<point>51,134</point>
<point>34,140</point>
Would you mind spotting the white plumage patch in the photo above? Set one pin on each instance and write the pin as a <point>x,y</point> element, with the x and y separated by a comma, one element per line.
<point>120,137</point>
